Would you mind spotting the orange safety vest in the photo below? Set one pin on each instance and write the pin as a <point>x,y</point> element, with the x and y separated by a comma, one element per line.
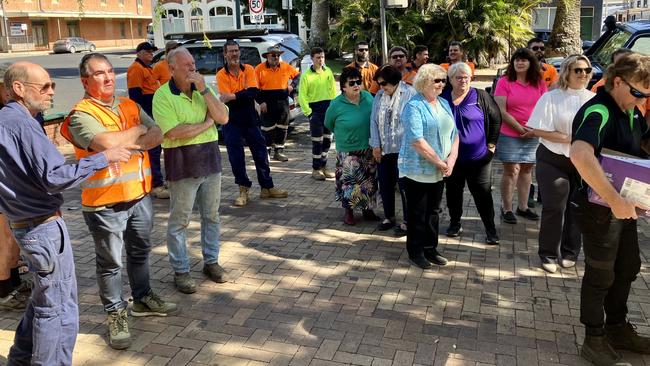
<point>135,179</point>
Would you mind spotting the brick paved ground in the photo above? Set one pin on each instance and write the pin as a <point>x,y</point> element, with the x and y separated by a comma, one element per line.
<point>306,290</point>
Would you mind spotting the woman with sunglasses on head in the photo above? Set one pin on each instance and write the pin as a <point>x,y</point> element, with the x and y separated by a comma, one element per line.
<point>610,120</point>
<point>551,120</point>
<point>385,140</point>
<point>516,94</point>
<point>348,117</point>
<point>427,154</point>
<point>478,121</point>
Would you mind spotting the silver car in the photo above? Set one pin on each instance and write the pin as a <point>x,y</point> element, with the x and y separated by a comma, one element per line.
<point>72,45</point>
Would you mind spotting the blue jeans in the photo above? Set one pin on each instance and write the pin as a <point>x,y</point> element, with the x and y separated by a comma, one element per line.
<point>48,330</point>
<point>234,137</point>
<point>206,192</point>
<point>129,225</point>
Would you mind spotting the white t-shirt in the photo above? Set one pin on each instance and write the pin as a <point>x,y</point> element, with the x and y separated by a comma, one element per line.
<point>555,111</point>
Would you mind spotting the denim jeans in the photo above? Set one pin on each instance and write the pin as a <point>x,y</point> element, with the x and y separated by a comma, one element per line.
<point>128,225</point>
<point>206,192</point>
<point>48,330</point>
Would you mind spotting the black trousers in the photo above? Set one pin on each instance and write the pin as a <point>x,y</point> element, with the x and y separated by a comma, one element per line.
<point>275,123</point>
<point>557,180</point>
<point>321,137</point>
<point>478,175</point>
<point>388,177</point>
<point>612,263</point>
<point>423,212</point>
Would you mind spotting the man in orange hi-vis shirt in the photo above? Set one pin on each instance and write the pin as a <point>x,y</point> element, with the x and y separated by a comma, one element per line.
<point>238,88</point>
<point>549,73</point>
<point>161,68</point>
<point>455,54</point>
<point>273,77</point>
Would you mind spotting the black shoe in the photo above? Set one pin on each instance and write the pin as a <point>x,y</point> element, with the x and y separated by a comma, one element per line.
<point>454,229</point>
<point>597,350</point>
<point>421,262</point>
<point>531,196</point>
<point>492,239</point>
<point>400,231</point>
<point>434,257</point>
<point>369,215</point>
<point>385,225</point>
<point>625,337</point>
<point>508,217</point>
<point>528,214</point>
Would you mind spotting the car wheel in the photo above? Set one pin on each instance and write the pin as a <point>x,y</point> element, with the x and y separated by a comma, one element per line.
<point>92,48</point>
<point>73,49</point>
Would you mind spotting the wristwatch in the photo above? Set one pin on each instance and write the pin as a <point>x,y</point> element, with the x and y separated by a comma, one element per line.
<point>205,91</point>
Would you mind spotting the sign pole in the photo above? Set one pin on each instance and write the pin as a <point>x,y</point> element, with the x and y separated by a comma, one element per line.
<point>384,34</point>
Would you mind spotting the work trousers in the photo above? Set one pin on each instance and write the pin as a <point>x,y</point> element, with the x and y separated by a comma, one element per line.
<point>612,263</point>
<point>388,177</point>
<point>275,123</point>
<point>156,168</point>
<point>423,212</point>
<point>321,137</point>
<point>234,136</point>
<point>48,330</point>
<point>124,225</point>
<point>478,175</point>
<point>558,233</point>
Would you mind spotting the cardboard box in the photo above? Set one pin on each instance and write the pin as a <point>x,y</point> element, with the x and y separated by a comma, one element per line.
<point>629,175</point>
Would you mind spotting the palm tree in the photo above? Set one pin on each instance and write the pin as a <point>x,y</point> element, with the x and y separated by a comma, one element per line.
<point>320,16</point>
<point>565,36</point>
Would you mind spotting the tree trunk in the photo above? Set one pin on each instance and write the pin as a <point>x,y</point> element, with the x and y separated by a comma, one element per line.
<point>320,14</point>
<point>565,37</point>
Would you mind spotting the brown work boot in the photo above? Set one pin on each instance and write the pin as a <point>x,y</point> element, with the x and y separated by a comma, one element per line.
<point>328,173</point>
<point>279,155</point>
<point>243,198</point>
<point>318,174</point>
<point>624,336</point>
<point>273,193</point>
<point>215,272</point>
<point>598,351</point>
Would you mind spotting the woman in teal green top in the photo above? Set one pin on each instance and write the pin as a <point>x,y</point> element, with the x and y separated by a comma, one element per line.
<point>348,117</point>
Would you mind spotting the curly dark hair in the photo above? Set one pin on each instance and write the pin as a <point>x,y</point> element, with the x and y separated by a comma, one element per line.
<point>348,73</point>
<point>533,75</point>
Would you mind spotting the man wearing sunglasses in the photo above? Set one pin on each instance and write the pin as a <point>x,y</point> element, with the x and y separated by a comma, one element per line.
<point>368,69</point>
<point>549,73</point>
<point>613,121</point>
<point>398,57</point>
<point>34,174</point>
<point>276,80</point>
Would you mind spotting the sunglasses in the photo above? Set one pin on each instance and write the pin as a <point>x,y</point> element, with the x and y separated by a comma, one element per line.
<point>362,50</point>
<point>440,81</point>
<point>586,70</point>
<point>538,48</point>
<point>636,92</point>
<point>395,57</point>
<point>43,88</point>
<point>383,83</point>
<point>354,82</point>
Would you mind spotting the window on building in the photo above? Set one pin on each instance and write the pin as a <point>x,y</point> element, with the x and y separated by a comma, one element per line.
<point>73,28</point>
<point>173,21</point>
<point>586,23</point>
<point>221,18</point>
<point>543,19</point>
<point>121,2</point>
<point>123,30</point>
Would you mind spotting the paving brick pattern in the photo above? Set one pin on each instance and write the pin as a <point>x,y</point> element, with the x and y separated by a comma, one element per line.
<point>306,290</point>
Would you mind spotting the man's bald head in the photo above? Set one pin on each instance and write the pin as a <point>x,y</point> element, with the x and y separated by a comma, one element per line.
<point>30,85</point>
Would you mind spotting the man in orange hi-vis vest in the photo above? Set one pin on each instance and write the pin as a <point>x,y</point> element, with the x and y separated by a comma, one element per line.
<point>115,200</point>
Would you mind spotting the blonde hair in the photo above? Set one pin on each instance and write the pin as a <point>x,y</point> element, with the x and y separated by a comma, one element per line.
<point>630,67</point>
<point>567,66</point>
<point>426,74</point>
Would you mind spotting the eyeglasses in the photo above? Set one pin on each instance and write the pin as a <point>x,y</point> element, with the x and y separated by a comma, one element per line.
<point>383,83</point>
<point>636,92</point>
<point>354,82</point>
<point>395,57</point>
<point>362,50</point>
<point>538,48</point>
<point>586,70</point>
<point>43,88</point>
<point>439,81</point>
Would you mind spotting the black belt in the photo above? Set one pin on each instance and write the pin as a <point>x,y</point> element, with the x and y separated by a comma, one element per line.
<point>34,221</point>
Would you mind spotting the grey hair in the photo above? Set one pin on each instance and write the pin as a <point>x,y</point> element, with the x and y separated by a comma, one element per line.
<point>426,74</point>
<point>15,72</point>
<point>171,57</point>
<point>458,67</point>
<point>83,65</point>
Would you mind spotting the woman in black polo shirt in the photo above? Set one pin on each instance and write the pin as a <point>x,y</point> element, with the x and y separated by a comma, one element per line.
<point>610,120</point>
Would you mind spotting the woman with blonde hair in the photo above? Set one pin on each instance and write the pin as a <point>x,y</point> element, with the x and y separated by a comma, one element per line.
<point>551,121</point>
<point>427,154</point>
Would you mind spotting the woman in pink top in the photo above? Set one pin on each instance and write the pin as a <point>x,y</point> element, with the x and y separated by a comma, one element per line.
<point>516,94</point>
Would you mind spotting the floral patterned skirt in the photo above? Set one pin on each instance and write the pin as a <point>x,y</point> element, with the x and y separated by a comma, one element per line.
<point>356,179</point>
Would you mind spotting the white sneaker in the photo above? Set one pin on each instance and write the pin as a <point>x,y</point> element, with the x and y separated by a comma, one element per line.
<point>549,267</point>
<point>567,263</point>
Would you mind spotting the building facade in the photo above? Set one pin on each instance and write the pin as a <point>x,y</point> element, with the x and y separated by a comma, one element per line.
<point>37,24</point>
<point>591,15</point>
<point>633,10</point>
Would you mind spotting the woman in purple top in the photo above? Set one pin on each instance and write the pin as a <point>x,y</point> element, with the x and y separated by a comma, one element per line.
<point>516,94</point>
<point>478,120</point>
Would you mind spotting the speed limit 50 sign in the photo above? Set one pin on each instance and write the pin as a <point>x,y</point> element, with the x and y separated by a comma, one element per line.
<point>256,6</point>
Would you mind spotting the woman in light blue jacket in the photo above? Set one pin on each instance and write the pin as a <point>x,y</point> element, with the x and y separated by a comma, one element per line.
<point>427,154</point>
<point>386,138</point>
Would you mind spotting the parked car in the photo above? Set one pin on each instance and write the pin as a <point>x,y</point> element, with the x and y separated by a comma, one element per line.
<point>209,59</point>
<point>72,45</point>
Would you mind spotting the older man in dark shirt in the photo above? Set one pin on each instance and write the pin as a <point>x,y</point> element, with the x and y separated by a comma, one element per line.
<point>32,175</point>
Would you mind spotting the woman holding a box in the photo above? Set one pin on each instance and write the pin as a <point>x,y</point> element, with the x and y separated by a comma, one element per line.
<point>610,120</point>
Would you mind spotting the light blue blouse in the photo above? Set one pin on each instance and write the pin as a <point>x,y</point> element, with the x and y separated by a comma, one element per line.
<point>389,145</point>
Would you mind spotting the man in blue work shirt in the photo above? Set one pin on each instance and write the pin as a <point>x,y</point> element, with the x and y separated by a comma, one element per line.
<point>33,174</point>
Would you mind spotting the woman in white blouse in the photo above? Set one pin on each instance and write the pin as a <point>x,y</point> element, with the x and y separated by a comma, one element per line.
<point>551,121</point>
